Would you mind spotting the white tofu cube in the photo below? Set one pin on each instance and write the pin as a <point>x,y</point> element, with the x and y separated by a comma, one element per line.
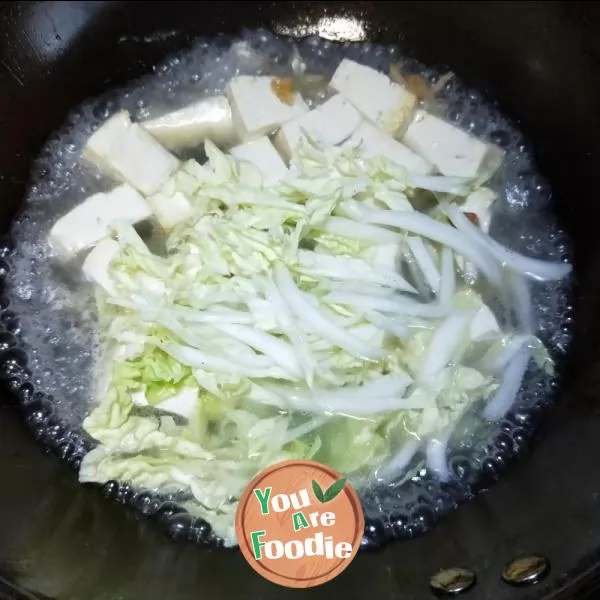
<point>91,220</point>
<point>95,267</point>
<point>386,256</point>
<point>263,155</point>
<point>375,142</point>
<point>209,118</point>
<point>370,334</point>
<point>184,403</point>
<point>170,209</point>
<point>332,122</point>
<point>480,203</point>
<point>139,398</point>
<point>484,325</point>
<point>386,103</point>
<point>130,154</point>
<point>453,151</point>
<point>256,109</point>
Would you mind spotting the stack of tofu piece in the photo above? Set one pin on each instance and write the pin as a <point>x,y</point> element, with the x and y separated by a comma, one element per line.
<point>367,108</point>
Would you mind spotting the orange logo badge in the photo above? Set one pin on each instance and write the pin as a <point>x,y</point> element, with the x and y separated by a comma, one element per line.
<point>299,523</point>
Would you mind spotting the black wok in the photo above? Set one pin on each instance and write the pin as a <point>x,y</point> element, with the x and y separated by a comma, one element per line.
<point>541,63</point>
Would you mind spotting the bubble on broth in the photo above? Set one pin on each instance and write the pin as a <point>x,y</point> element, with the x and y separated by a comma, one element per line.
<point>56,309</point>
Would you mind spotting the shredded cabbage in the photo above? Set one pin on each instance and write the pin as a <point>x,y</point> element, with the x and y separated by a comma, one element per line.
<point>318,318</point>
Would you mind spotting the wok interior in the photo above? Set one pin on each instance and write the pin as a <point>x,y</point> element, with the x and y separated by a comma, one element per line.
<point>523,73</point>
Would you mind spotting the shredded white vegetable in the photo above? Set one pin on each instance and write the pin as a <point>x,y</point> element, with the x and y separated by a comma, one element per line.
<point>448,278</point>
<point>510,383</point>
<point>446,341</point>
<point>533,267</point>
<point>319,318</point>
<point>437,460</point>
<point>445,235</point>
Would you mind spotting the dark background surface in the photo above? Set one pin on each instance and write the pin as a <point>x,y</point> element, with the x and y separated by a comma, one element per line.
<point>541,62</point>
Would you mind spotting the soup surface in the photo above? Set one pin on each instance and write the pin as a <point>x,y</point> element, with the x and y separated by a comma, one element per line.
<point>301,264</point>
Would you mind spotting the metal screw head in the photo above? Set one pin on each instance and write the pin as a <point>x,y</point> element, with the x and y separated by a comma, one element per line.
<point>452,581</point>
<point>526,570</point>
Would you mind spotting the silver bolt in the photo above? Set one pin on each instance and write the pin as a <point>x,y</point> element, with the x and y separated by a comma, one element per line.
<point>452,581</point>
<point>526,570</point>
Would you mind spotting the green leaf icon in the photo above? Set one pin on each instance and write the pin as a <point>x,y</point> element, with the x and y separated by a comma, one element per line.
<point>331,492</point>
<point>318,491</point>
<point>334,489</point>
